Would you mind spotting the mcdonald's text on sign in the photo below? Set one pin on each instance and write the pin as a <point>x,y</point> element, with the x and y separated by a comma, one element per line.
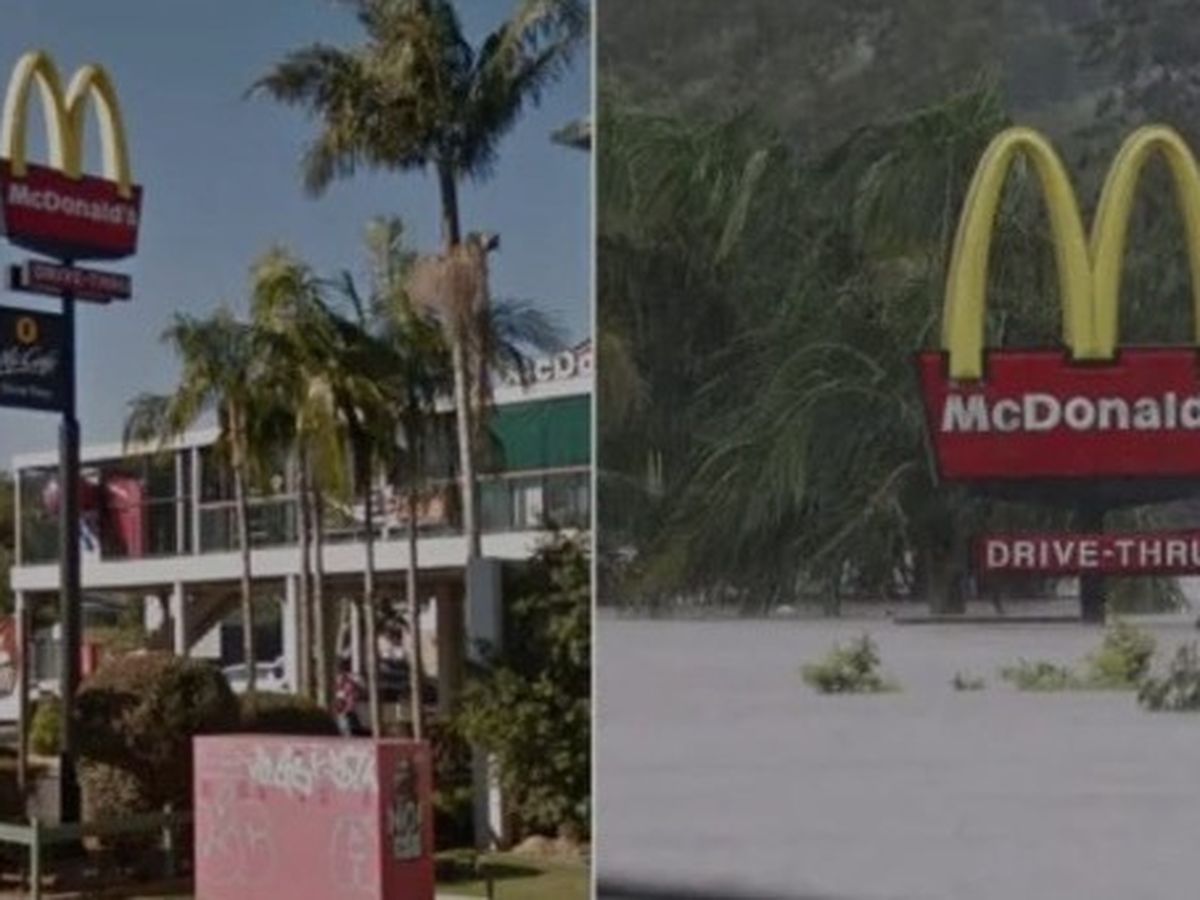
<point>41,277</point>
<point>56,209</point>
<point>1154,553</point>
<point>31,360</point>
<point>1035,414</point>
<point>1087,409</point>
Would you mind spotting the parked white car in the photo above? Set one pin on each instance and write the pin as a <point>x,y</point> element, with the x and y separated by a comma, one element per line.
<point>269,676</point>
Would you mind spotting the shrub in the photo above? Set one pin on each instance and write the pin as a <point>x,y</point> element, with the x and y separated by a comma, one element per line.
<point>45,727</point>
<point>853,669</point>
<point>137,716</point>
<point>278,713</point>
<point>451,785</point>
<point>1040,675</point>
<point>963,681</point>
<point>1123,658</point>
<point>1178,688</point>
<point>531,708</point>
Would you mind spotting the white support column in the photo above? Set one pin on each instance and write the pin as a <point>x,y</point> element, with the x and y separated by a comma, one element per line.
<point>18,516</point>
<point>289,616</point>
<point>180,508</point>
<point>25,673</point>
<point>356,641</point>
<point>196,482</point>
<point>179,632</point>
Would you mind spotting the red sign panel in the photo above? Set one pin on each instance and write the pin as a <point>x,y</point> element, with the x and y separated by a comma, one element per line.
<point>84,218</point>
<point>1153,553</point>
<point>41,277</point>
<point>1036,414</point>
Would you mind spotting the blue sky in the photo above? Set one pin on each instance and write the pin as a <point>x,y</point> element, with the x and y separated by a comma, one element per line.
<point>221,179</point>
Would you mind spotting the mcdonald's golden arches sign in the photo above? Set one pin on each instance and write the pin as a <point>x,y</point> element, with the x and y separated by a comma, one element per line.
<point>56,208</point>
<point>1087,409</point>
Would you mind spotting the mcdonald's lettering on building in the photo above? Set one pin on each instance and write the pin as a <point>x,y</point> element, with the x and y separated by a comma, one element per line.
<point>55,208</point>
<point>1089,408</point>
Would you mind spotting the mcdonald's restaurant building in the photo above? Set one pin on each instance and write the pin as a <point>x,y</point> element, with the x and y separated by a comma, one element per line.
<point>160,529</point>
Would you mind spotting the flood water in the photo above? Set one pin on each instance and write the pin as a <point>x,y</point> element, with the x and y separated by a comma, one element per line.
<point>717,766</point>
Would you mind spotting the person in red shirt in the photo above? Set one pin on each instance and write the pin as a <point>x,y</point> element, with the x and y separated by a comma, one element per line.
<point>348,694</point>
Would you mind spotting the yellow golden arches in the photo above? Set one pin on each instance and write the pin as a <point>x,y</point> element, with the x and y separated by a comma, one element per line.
<point>1090,280</point>
<point>65,119</point>
<point>1112,223</point>
<point>966,282</point>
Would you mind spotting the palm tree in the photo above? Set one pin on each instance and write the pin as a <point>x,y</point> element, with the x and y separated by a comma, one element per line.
<point>418,95</point>
<point>221,368</point>
<point>355,398</point>
<point>782,398</point>
<point>420,375</point>
<point>296,330</point>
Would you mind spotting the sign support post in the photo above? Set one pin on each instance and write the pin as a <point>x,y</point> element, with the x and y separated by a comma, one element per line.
<point>69,571</point>
<point>1089,519</point>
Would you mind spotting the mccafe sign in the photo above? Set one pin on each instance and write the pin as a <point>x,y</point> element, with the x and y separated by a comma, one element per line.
<point>1087,409</point>
<point>31,360</point>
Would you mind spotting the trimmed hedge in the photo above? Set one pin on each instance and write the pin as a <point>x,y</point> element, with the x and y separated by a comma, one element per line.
<point>137,716</point>
<point>279,713</point>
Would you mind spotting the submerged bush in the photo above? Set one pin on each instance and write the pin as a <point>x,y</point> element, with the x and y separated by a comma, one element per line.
<point>1178,688</point>
<point>852,669</point>
<point>1123,659</point>
<point>1121,663</point>
<point>1040,675</point>
<point>964,681</point>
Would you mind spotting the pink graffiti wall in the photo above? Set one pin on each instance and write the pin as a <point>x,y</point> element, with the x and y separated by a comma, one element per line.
<point>313,818</point>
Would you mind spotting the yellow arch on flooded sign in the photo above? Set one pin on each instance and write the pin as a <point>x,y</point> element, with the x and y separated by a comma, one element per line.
<point>1089,271</point>
<point>1112,223</point>
<point>65,117</point>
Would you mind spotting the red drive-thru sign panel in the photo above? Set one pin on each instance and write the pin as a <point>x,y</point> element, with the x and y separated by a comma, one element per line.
<point>41,277</point>
<point>1037,414</point>
<point>1156,553</point>
<point>313,818</point>
<point>69,218</point>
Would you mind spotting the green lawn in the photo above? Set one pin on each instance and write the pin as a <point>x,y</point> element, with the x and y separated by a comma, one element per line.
<point>522,878</point>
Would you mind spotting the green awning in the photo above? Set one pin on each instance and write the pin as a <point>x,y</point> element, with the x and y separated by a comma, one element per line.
<point>543,434</point>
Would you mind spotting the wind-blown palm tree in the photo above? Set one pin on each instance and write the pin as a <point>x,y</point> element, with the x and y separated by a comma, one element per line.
<point>221,369</point>
<point>418,96</point>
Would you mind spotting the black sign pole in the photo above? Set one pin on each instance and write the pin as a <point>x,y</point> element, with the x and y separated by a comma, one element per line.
<point>69,572</point>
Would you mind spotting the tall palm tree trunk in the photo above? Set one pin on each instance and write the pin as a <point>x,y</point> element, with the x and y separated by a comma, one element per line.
<point>321,630</point>
<point>243,529</point>
<point>304,630</point>
<point>369,605</point>
<point>466,446</point>
<point>448,189</point>
<point>416,668</point>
